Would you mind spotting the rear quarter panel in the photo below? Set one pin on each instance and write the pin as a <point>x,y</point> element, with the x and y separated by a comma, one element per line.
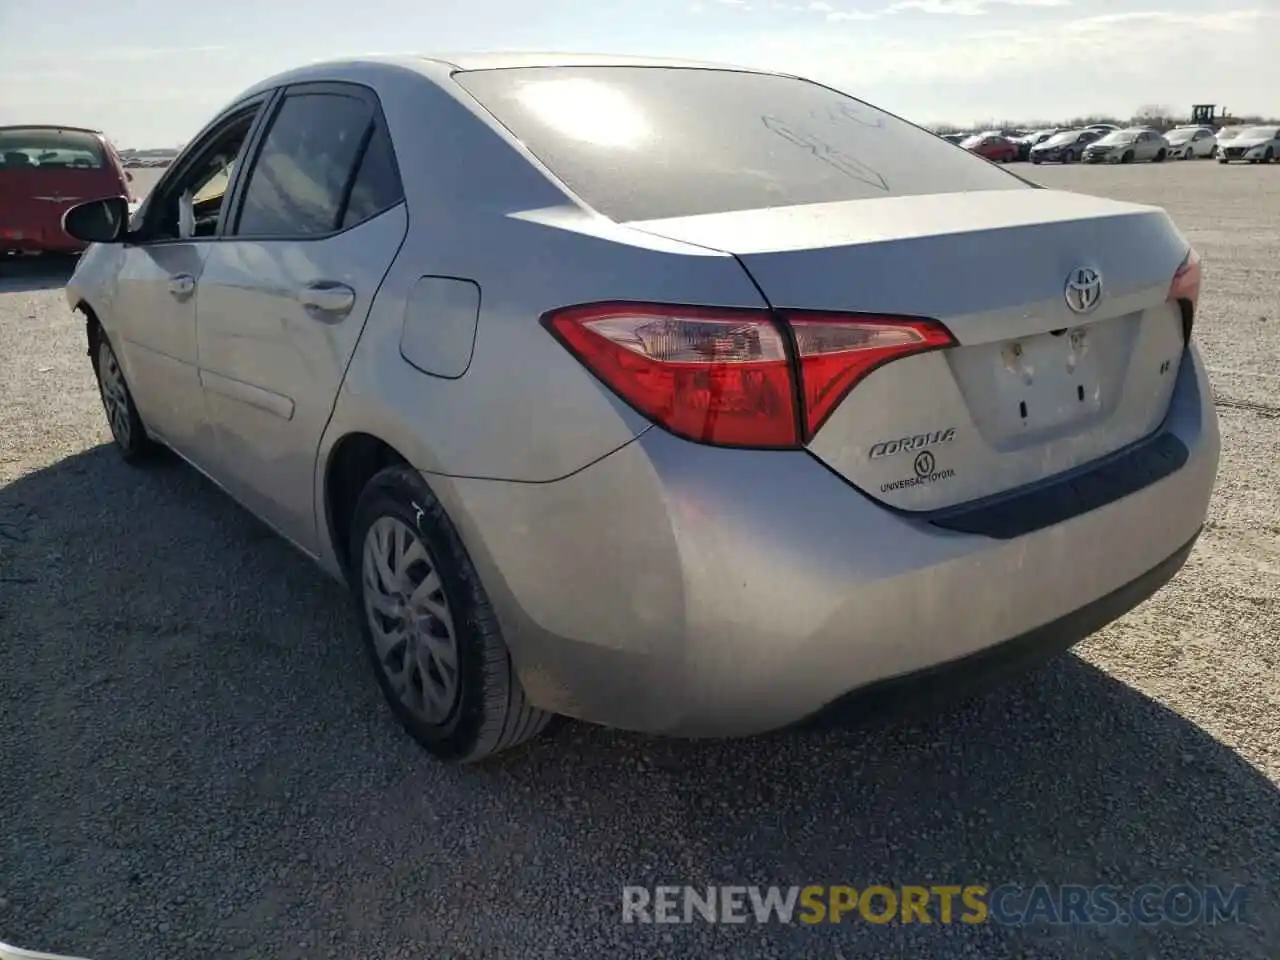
<point>480,209</point>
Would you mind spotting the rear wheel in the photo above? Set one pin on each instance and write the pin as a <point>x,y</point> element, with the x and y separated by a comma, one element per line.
<point>122,414</point>
<point>429,628</point>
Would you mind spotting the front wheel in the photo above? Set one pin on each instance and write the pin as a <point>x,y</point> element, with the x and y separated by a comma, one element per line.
<point>127,430</point>
<point>429,628</point>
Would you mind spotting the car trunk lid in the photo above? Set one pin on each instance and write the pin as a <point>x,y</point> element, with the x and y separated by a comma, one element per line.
<point>1031,388</point>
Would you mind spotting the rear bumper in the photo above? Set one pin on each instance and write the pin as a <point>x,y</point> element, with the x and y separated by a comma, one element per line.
<point>686,590</point>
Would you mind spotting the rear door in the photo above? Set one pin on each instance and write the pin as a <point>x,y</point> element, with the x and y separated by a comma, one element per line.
<point>285,293</point>
<point>44,171</point>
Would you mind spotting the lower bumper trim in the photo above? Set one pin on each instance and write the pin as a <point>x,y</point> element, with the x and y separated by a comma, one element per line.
<point>957,680</point>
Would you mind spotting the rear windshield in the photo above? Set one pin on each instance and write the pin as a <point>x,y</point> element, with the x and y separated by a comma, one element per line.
<point>34,147</point>
<point>641,143</point>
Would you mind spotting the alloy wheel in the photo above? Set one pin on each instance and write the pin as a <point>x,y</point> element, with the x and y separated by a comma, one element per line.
<point>410,620</point>
<point>115,395</point>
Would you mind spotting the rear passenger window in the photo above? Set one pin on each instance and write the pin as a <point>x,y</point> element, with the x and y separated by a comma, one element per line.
<point>377,183</point>
<point>297,184</point>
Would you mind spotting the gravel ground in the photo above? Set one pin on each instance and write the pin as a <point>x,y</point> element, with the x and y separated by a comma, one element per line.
<point>196,762</point>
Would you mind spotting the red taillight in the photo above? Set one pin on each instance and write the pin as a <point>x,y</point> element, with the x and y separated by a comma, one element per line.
<point>726,376</point>
<point>715,376</point>
<point>838,351</point>
<point>1186,280</point>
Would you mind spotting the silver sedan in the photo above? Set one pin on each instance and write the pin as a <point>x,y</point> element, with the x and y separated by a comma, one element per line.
<point>681,400</point>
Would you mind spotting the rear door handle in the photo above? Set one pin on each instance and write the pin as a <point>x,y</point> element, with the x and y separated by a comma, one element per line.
<point>182,285</point>
<point>327,300</point>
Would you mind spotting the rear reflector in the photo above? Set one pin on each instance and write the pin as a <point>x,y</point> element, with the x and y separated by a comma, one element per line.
<point>732,377</point>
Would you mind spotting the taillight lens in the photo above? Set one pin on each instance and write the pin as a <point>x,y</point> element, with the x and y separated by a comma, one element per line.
<point>1186,280</point>
<point>1185,291</point>
<point>715,376</point>
<point>727,376</point>
<point>838,351</point>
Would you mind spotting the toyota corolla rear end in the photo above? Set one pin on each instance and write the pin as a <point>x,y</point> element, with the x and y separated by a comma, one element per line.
<point>44,171</point>
<point>964,422</point>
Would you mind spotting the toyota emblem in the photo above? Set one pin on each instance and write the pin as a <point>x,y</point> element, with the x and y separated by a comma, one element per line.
<point>1083,290</point>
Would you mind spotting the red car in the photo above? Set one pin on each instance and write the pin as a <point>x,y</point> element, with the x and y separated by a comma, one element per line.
<point>992,146</point>
<point>44,170</point>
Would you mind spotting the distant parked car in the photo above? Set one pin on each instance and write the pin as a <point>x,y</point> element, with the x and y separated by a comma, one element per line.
<point>1128,146</point>
<point>45,171</point>
<point>991,146</point>
<point>1065,147</point>
<point>1190,143</point>
<point>1030,141</point>
<point>1253,144</point>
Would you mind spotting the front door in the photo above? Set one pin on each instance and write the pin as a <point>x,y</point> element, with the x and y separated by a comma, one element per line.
<point>285,293</point>
<point>154,311</point>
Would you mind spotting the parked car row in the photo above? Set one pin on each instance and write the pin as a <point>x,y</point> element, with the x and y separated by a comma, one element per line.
<point>1107,143</point>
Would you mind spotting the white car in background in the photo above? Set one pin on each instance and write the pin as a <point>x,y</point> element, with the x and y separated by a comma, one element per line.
<point>1191,143</point>
<point>1254,144</point>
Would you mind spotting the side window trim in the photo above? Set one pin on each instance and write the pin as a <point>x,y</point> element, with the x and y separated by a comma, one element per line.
<point>344,201</point>
<point>342,88</point>
<point>196,151</point>
<point>240,176</point>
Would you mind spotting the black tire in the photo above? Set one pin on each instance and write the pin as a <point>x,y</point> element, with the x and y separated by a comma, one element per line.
<point>132,441</point>
<point>490,712</point>
<point>1127,157</point>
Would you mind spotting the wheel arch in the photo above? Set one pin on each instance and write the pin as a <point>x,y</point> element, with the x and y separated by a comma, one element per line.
<point>92,327</point>
<point>352,462</point>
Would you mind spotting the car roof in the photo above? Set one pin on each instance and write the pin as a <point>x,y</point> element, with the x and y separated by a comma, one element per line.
<point>438,67</point>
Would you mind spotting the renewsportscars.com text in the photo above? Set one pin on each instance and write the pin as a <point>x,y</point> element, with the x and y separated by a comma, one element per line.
<point>1006,905</point>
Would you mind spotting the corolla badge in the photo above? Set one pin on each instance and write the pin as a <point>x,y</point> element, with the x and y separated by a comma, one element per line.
<point>1084,289</point>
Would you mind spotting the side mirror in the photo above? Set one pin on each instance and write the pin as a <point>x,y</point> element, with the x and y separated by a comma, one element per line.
<point>98,221</point>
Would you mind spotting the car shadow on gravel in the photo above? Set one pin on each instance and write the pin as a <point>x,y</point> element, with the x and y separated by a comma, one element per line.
<point>206,767</point>
<point>27,274</point>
